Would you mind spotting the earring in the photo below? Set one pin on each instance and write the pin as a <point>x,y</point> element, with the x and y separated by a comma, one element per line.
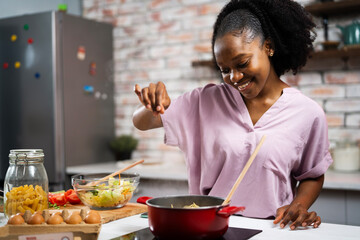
<point>271,53</point>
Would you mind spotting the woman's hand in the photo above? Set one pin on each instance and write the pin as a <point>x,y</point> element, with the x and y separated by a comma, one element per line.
<point>154,97</point>
<point>298,215</point>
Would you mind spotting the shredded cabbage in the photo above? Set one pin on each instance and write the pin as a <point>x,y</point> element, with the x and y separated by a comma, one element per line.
<point>111,195</point>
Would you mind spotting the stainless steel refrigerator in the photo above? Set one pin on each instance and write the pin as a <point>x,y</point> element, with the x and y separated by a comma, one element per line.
<point>56,90</point>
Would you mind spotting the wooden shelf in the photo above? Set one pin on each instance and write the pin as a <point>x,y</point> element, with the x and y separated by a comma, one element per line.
<point>343,55</point>
<point>343,7</point>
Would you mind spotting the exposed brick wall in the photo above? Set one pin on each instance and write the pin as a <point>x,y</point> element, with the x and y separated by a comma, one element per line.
<point>157,40</point>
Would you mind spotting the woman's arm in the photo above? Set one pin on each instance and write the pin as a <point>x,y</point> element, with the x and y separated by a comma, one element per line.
<point>155,101</point>
<point>297,212</point>
<point>145,119</point>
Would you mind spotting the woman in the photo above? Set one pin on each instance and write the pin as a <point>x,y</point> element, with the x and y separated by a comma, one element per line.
<point>218,126</point>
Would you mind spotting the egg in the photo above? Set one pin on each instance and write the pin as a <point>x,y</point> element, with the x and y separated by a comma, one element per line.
<point>16,219</point>
<point>36,218</point>
<point>93,217</point>
<point>74,218</point>
<point>55,219</point>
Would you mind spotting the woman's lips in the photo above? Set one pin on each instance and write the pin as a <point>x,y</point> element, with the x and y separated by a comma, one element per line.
<point>244,86</point>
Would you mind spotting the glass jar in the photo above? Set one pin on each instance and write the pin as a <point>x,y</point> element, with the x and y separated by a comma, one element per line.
<point>26,184</point>
<point>347,156</point>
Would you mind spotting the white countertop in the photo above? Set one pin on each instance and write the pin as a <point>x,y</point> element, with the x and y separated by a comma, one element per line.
<point>326,231</point>
<point>270,231</point>
<point>177,171</point>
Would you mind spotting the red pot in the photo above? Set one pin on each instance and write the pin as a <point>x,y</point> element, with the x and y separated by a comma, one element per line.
<point>168,219</point>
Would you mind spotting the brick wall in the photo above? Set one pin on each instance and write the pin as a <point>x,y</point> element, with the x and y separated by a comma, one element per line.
<point>157,40</point>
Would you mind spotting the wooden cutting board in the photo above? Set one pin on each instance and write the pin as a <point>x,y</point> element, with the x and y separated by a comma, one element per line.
<point>128,210</point>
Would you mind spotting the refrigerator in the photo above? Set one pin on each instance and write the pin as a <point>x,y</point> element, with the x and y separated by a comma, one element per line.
<point>56,91</point>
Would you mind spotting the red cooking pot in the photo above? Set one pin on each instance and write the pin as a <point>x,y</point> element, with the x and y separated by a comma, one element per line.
<point>168,219</point>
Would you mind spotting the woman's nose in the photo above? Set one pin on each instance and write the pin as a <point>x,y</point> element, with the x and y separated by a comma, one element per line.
<point>236,76</point>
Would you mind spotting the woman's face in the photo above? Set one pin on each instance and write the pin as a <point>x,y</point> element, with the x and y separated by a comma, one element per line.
<point>244,64</point>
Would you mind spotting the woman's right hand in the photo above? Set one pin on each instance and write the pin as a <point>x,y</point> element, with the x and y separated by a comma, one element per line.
<point>154,97</point>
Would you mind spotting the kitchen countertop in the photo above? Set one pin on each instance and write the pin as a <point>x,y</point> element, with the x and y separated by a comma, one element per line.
<point>326,231</point>
<point>177,171</point>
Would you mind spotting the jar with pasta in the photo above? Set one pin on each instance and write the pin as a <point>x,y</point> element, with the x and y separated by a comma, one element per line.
<point>26,182</point>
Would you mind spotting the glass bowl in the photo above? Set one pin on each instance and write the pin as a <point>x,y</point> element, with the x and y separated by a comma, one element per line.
<point>109,194</point>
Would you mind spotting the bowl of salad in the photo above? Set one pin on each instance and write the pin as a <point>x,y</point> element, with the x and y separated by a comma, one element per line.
<point>111,193</point>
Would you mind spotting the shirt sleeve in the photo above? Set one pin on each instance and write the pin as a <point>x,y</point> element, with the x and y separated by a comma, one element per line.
<point>316,158</point>
<point>180,119</point>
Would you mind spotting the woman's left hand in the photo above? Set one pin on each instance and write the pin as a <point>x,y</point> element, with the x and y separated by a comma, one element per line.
<point>298,215</point>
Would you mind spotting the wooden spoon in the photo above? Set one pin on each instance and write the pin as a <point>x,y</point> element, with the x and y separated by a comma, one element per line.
<point>243,172</point>
<point>115,173</point>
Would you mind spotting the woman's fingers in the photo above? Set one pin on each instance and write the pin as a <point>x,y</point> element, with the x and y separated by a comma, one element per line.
<point>311,218</point>
<point>153,97</point>
<point>317,222</point>
<point>160,97</point>
<point>137,90</point>
<point>145,98</point>
<point>299,221</point>
<point>279,215</point>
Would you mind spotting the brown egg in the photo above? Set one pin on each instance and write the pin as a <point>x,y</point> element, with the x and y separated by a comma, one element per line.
<point>93,217</point>
<point>16,219</point>
<point>55,218</point>
<point>74,218</point>
<point>36,218</point>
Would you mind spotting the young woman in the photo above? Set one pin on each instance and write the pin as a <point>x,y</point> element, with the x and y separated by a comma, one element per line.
<point>218,126</point>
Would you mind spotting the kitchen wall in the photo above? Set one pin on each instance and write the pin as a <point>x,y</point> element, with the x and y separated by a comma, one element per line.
<point>157,40</point>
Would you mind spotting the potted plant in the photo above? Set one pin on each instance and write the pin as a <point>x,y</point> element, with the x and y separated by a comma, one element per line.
<point>123,146</point>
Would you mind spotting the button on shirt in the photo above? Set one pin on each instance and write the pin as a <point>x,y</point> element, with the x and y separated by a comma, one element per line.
<point>212,126</point>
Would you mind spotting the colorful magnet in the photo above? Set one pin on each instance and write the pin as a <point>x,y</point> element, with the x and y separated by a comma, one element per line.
<point>5,66</point>
<point>37,75</point>
<point>97,95</point>
<point>81,53</point>
<point>26,27</point>
<point>104,96</point>
<point>89,89</point>
<point>13,38</point>
<point>17,64</point>
<point>92,70</point>
<point>30,41</point>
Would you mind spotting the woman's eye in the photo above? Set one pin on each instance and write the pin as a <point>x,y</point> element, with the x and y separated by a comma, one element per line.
<point>225,71</point>
<point>243,65</point>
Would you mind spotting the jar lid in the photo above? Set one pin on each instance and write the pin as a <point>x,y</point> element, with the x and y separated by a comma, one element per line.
<point>26,153</point>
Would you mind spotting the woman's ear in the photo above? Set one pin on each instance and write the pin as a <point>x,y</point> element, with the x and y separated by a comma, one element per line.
<point>269,48</point>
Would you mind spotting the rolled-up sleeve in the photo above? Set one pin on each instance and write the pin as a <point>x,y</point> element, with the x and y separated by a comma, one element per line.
<point>316,158</point>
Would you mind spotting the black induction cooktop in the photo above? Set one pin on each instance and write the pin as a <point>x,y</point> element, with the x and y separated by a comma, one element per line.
<point>231,234</point>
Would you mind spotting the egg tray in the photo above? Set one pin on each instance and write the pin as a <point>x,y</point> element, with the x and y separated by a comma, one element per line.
<point>81,231</point>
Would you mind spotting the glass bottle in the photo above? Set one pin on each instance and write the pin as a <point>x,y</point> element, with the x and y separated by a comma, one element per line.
<point>26,184</point>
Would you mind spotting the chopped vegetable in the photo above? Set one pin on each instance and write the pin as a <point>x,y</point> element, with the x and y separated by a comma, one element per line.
<point>114,194</point>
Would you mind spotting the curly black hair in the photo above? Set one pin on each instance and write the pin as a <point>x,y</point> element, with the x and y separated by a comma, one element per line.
<point>284,22</point>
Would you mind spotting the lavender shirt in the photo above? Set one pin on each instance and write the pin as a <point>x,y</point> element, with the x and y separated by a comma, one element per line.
<point>212,126</point>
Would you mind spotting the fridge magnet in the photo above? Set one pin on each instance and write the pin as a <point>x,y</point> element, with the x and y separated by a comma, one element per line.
<point>30,41</point>
<point>92,69</point>
<point>88,89</point>
<point>37,75</point>
<point>26,27</point>
<point>97,95</point>
<point>81,53</point>
<point>17,64</point>
<point>13,38</point>
<point>104,96</point>
<point>5,65</point>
